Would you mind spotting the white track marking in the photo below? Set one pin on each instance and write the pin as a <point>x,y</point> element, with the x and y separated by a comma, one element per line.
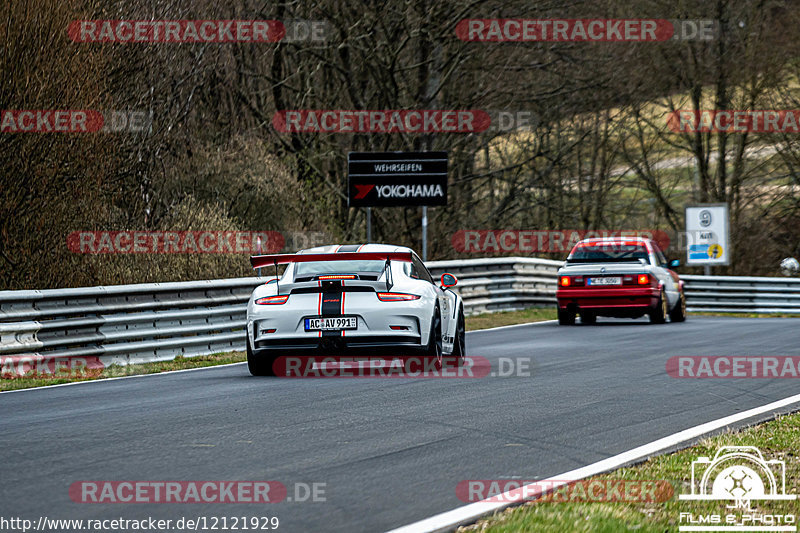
<point>467,514</point>
<point>540,323</point>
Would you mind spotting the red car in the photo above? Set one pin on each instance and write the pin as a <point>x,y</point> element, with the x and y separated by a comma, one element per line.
<point>619,277</point>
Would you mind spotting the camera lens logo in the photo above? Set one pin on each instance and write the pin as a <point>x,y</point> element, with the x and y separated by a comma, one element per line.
<point>747,485</point>
<point>739,475</point>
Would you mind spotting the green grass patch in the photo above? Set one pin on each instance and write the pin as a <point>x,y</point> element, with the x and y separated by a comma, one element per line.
<point>115,371</point>
<point>508,318</point>
<point>777,439</point>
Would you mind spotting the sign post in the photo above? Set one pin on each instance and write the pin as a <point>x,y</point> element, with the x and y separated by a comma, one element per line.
<point>707,236</point>
<point>424,232</point>
<point>397,179</point>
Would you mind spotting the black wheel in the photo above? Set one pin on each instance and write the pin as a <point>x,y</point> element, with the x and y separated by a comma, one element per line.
<point>678,314</point>
<point>460,340</point>
<point>588,318</point>
<point>565,317</point>
<point>434,350</point>
<point>259,366</point>
<point>658,314</point>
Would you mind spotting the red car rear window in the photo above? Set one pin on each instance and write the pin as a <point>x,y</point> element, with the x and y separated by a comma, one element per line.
<point>608,251</point>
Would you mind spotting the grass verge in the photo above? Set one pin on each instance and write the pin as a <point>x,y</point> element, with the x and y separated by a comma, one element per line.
<point>115,371</point>
<point>508,318</point>
<point>777,439</point>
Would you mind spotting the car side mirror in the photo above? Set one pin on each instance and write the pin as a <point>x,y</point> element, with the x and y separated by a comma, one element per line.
<point>675,263</point>
<point>448,280</point>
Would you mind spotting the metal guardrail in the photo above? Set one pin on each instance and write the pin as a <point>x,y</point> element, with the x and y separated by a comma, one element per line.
<point>736,294</point>
<point>151,322</point>
<point>501,284</point>
<point>124,323</point>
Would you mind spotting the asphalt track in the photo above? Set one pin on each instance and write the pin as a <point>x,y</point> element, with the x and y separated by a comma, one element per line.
<point>389,451</point>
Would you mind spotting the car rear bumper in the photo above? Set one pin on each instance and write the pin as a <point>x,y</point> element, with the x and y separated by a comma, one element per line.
<point>378,322</point>
<point>375,345</point>
<point>607,298</point>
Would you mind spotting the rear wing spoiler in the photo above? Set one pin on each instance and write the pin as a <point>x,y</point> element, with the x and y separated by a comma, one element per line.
<point>259,261</point>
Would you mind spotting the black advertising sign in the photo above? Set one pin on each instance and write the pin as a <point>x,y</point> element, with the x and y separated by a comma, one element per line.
<point>394,179</point>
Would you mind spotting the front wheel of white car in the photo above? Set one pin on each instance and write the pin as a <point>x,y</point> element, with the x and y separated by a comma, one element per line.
<point>460,339</point>
<point>434,349</point>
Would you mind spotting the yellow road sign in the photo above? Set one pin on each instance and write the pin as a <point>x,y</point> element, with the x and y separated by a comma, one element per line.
<point>715,251</point>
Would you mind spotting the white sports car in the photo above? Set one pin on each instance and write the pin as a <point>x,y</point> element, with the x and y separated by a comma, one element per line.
<point>369,300</point>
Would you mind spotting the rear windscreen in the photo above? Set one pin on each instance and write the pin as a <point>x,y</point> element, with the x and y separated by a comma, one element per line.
<point>606,252</point>
<point>338,267</point>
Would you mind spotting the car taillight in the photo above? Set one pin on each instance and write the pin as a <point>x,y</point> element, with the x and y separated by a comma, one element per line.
<point>273,300</point>
<point>396,296</point>
<point>567,281</point>
<point>644,279</point>
<point>337,276</point>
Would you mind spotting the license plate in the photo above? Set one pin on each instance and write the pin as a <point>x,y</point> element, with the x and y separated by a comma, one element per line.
<point>332,323</point>
<point>605,281</point>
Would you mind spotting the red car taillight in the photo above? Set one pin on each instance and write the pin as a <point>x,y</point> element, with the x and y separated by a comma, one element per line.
<point>643,279</point>
<point>273,300</point>
<point>396,296</point>
<point>567,281</point>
